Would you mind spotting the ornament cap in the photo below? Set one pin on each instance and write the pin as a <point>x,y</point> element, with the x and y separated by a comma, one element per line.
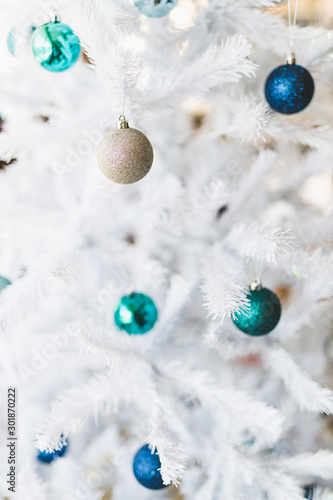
<point>122,122</point>
<point>55,17</point>
<point>256,284</point>
<point>291,59</point>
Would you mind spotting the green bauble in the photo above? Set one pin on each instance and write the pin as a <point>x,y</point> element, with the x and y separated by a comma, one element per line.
<point>55,46</point>
<point>263,315</point>
<point>136,314</point>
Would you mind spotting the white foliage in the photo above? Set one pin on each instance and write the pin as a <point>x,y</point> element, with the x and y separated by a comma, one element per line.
<point>251,119</point>
<point>261,242</point>
<point>223,203</point>
<point>224,286</point>
<point>309,394</point>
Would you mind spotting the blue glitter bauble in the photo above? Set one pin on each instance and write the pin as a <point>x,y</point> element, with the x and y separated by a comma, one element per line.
<point>308,492</point>
<point>55,46</point>
<point>155,8</point>
<point>4,283</point>
<point>263,315</point>
<point>289,89</point>
<point>146,467</point>
<point>47,457</point>
<point>136,313</point>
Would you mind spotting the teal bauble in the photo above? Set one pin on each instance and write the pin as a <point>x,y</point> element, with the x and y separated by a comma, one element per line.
<point>262,316</point>
<point>136,314</point>
<point>4,283</point>
<point>155,8</point>
<point>55,46</point>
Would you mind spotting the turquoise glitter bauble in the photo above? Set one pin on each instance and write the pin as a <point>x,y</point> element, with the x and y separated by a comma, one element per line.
<point>4,283</point>
<point>136,313</point>
<point>263,315</point>
<point>55,46</point>
<point>155,8</point>
<point>146,467</point>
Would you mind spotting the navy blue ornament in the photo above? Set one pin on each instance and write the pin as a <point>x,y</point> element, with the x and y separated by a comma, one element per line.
<point>289,88</point>
<point>146,467</point>
<point>308,492</point>
<point>262,316</point>
<point>49,456</point>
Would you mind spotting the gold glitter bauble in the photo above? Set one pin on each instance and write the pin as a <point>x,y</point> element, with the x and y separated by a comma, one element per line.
<point>125,155</point>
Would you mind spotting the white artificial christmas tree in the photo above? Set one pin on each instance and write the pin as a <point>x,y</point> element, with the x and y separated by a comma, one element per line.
<point>232,416</point>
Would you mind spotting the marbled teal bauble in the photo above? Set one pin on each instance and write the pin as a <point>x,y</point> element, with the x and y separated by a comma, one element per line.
<point>289,89</point>
<point>146,467</point>
<point>47,457</point>
<point>55,46</point>
<point>136,314</point>
<point>155,8</point>
<point>262,316</point>
<point>309,492</point>
<point>125,155</point>
<point>4,283</point>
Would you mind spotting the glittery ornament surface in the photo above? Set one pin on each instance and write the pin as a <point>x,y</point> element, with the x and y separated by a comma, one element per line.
<point>55,46</point>
<point>155,8</point>
<point>263,315</point>
<point>289,89</point>
<point>125,155</point>
<point>48,457</point>
<point>146,467</point>
<point>4,283</point>
<point>136,314</point>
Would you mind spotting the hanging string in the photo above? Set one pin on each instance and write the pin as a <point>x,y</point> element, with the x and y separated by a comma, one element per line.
<point>292,23</point>
<point>117,91</point>
<point>124,100</point>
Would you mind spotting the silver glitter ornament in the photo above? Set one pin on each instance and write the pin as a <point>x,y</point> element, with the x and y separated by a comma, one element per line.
<point>125,155</point>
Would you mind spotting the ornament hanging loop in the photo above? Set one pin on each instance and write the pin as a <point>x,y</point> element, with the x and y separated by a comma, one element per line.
<point>256,284</point>
<point>122,122</point>
<point>55,16</point>
<point>291,59</point>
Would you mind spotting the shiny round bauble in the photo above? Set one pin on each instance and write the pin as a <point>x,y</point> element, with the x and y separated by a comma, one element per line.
<point>155,8</point>
<point>4,283</point>
<point>55,46</point>
<point>47,457</point>
<point>136,314</point>
<point>146,467</point>
<point>125,155</point>
<point>289,89</point>
<point>263,314</point>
